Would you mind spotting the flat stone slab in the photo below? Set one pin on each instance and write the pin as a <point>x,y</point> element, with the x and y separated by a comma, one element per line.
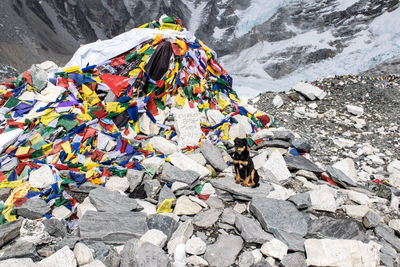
<point>301,163</point>
<point>387,234</point>
<point>9,231</point>
<point>294,242</point>
<point>172,174</point>
<point>112,227</point>
<point>272,143</point>
<point>228,184</point>
<point>279,215</point>
<point>206,219</point>
<point>33,208</point>
<point>340,177</point>
<point>106,200</point>
<point>213,155</point>
<point>251,230</point>
<point>327,227</point>
<point>224,252</point>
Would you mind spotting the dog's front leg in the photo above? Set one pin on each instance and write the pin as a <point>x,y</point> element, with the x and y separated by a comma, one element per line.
<point>246,181</point>
<point>237,180</point>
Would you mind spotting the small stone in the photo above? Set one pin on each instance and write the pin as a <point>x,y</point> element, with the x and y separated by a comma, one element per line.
<point>63,257</point>
<point>155,237</point>
<point>302,201</point>
<point>327,227</point>
<point>240,207</point>
<point>33,208</point>
<point>171,174</point>
<point>179,186</point>
<point>215,203</point>
<point>207,189</point>
<point>371,219</point>
<point>134,177</point>
<point>19,249</point>
<point>85,206</point>
<point>388,235</point>
<point>163,145</point>
<point>395,225</point>
<point>55,227</point>
<point>347,166</point>
<point>323,200</point>
<point>165,224</point>
<point>340,177</point>
<point>356,211</point>
<point>34,231</point>
<point>277,101</point>
<point>180,236</point>
<point>207,219</point>
<point>95,263</point>
<point>251,230</point>
<point>184,206</point>
<point>275,168</point>
<point>228,216</point>
<point>155,163</point>
<point>213,155</point>
<point>26,262</point>
<point>302,145</point>
<point>246,259</point>
<point>83,254</point>
<point>274,248</point>
<point>358,198</point>
<point>165,193</point>
<point>196,261</point>
<point>309,91</point>
<point>107,200</point>
<point>224,251</point>
<point>358,111</point>
<point>118,184</point>
<point>42,177</point>
<point>294,260</point>
<point>148,208</point>
<point>195,246</point>
<point>61,212</point>
<point>301,163</point>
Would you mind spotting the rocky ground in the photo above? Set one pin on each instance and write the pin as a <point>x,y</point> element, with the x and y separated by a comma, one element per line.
<point>330,206</point>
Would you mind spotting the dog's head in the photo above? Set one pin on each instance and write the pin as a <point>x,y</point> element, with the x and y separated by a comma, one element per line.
<point>240,145</point>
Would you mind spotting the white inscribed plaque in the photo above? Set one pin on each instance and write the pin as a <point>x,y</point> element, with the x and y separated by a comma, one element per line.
<point>187,126</point>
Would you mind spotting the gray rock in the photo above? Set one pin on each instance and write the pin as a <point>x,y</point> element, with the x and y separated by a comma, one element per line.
<point>81,192</point>
<point>172,174</point>
<point>21,249</point>
<point>112,227</point>
<point>295,242</point>
<point>9,231</point>
<point>228,216</point>
<point>388,235</point>
<point>101,250</point>
<point>134,177</point>
<point>302,145</point>
<point>386,260</point>
<point>301,163</point>
<point>55,227</point>
<point>152,187</point>
<point>228,184</point>
<point>4,193</point>
<point>340,177</point>
<point>213,155</point>
<point>12,164</point>
<point>246,259</point>
<point>68,241</point>
<point>272,143</point>
<point>150,255</point>
<point>325,227</point>
<point>26,262</point>
<point>215,203</point>
<point>106,200</point>
<point>165,224</point>
<point>302,201</point>
<point>33,208</point>
<point>283,135</point>
<point>251,230</point>
<point>206,219</point>
<point>165,193</point>
<point>279,215</point>
<point>113,259</point>
<point>227,245</point>
<point>224,195</point>
<point>371,219</point>
<point>294,260</point>
<point>262,263</point>
<point>128,253</point>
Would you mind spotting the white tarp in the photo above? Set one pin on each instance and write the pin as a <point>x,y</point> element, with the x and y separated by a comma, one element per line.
<point>100,51</point>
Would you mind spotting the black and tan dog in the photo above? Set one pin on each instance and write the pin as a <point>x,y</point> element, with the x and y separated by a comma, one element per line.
<point>244,166</point>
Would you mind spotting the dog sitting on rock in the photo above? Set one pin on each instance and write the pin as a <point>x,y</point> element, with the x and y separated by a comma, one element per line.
<point>244,166</point>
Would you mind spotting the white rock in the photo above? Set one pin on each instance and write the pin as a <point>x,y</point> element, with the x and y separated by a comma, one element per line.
<point>355,110</point>
<point>9,138</point>
<point>180,236</point>
<point>42,178</point>
<point>147,126</point>
<point>198,157</point>
<point>25,262</point>
<point>395,225</point>
<point>240,129</point>
<point>178,186</point>
<point>375,159</point>
<point>111,144</point>
<point>163,145</point>
<point>207,189</point>
<point>195,246</point>
<point>240,207</point>
<point>280,192</point>
<point>313,105</point>
<point>116,183</point>
<point>260,159</point>
<point>153,162</point>
<point>358,198</point>
<point>179,256</point>
<point>83,254</point>
<point>62,258</point>
<point>155,237</point>
<point>323,199</point>
<point>214,116</point>
<point>196,261</point>
<point>394,167</point>
<point>34,231</point>
<point>198,201</point>
<point>356,211</point>
<point>102,140</point>
<point>258,256</point>
<point>347,166</point>
<point>394,179</point>
<point>310,91</point>
<point>85,206</point>
<point>341,252</point>
<point>184,163</point>
<point>342,142</point>
<point>275,167</point>
<point>184,206</point>
<point>95,263</point>
<point>274,248</point>
<point>263,133</point>
<point>187,126</point>
<point>277,101</point>
<point>148,208</point>
<point>61,212</point>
